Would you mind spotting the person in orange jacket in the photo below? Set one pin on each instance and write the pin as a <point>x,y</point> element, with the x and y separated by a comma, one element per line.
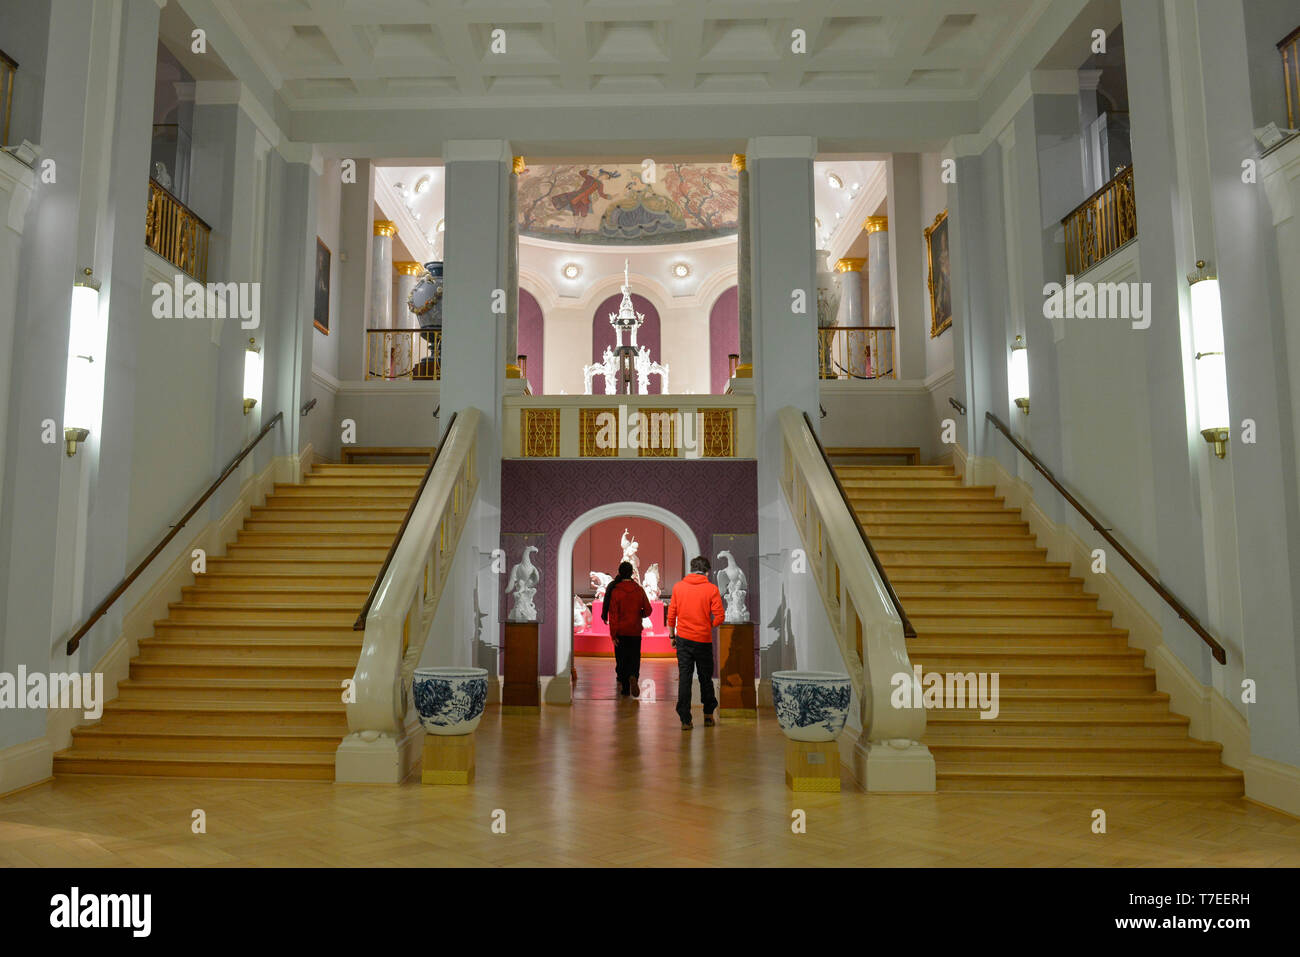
<point>626,604</point>
<point>694,610</point>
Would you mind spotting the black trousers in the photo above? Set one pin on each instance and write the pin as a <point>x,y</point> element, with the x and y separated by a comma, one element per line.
<point>695,656</point>
<point>627,659</point>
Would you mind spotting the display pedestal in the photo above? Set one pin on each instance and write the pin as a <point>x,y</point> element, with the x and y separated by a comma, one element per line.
<point>736,698</point>
<point>522,690</point>
<point>448,759</point>
<point>812,765</point>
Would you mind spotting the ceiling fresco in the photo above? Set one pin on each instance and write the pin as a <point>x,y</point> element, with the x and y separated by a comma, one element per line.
<point>616,203</point>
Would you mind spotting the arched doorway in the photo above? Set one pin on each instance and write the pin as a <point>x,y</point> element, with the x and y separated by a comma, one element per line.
<point>559,690</point>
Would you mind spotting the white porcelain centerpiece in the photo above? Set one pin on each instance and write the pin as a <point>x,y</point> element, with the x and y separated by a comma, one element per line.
<point>449,700</point>
<point>811,705</point>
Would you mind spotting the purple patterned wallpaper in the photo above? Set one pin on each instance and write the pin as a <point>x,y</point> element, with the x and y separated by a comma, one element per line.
<point>546,496</point>
<point>724,338</point>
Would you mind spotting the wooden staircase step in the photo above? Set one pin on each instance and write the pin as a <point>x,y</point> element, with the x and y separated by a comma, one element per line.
<point>297,511</point>
<point>934,558</point>
<point>1028,702</point>
<point>944,723</point>
<point>221,580</point>
<point>210,738</point>
<point>994,573</point>
<point>956,752</point>
<point>210,688</point>
<point>968,605</point>
<point>953,518</point>
<point>920,589</point>
<point>334,666</point>
<point>1047,677</point>
<point>342,494</point>
<point>305,566</point>
<point>981,657</point>
<point>1104,778</point>
<point>266,765</point>
<point>1009,623</point>
<point>251,628</point>
<point>959,547</point>
<point>240,551</point>
<point>892,471</point>
<point>179,715</point>
<point>194,611</point>
<point>409,483</point>
<point>211,593</point>
<point>303,540</point>
<point>950,508</point>
<point>920,533</point>
<point>282,525</point>
<point>925,643</point>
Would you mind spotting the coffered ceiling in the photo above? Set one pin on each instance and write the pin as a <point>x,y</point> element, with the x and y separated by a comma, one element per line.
<point>330,54</point>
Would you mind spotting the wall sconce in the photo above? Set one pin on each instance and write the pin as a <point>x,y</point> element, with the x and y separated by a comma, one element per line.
<point>1211,367</point>
<point>1018,374</point>
<point>84,387</point>
<point>252,375</point>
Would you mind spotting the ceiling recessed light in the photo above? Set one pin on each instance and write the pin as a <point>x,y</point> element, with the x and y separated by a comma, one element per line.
<point>681,270</point>
<point>572,270</point>
<point>835,181</point>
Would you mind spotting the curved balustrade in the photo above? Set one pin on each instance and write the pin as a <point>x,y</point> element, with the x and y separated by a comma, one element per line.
<point>405,601</point>
<point>865,624</point>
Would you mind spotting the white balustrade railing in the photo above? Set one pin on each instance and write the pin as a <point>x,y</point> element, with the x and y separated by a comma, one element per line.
<point>863,619</point>
<point>380,719</point>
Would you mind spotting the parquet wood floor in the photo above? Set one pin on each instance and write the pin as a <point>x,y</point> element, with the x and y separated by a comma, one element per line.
<point>617,783</point>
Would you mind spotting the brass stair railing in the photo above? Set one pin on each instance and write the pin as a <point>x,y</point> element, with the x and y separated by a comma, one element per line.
<point>1101,224</point>
<point>1179,608</point>
<point>8,74</point>
<point>1289,47</point>
<point>126,582</point>
<point>176,233</point>
<point>855,352</point>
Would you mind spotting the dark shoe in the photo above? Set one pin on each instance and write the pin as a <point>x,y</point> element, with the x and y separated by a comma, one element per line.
<point>636,687</point>
<point>623,690</point>
<point>708,721</point>
<point>687,726</point>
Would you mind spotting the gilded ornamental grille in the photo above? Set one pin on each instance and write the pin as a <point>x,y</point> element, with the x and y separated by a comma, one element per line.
<point>539,432</point>
<point>590,425</point>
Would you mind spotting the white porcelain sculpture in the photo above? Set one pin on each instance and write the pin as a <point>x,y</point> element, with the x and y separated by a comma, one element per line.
<point>449,700</point>
<point>630,547</point>
<point>581,614</point>
<point>626,321</point>
<point>521,585</point>
<point>600,581</point>
<point>811,705</point>
<point>735,588</point>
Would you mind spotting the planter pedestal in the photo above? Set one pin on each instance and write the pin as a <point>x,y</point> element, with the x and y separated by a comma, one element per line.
<point>448,759</point>
<point>812,765</point>
<point>521,692</point>
<point>737,697</point>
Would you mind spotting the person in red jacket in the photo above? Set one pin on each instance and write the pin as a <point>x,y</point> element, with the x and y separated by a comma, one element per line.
<point>626,603</point>
<point>694,610</point>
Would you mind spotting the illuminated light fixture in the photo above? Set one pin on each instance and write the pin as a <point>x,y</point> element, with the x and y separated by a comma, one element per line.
<point>1018,374</point>
<point>572,270</point>
<point>422,184</point>
<point>835,181</point>
<point>681,270</point>
<point>441,224</point>
<point>83,390</point>
<point>252,375</point>
<point>1211,367</point>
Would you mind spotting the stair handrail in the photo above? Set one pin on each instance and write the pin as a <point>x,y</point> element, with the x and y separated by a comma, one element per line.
<point>908,630</point>
<point>960,407</point>
<point>407,591</point>
<point>102,608</point>
<point>863,611</point>
<point>1179,608</point>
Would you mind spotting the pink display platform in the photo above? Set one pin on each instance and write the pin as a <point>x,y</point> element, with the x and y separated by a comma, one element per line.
<point>594,640</point>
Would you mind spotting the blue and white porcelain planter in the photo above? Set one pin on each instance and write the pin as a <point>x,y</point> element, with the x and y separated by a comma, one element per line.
<point>811,705</point>
<point>449,700</point>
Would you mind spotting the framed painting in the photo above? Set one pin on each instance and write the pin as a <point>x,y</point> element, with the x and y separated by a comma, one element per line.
<point>940,274</point>
<point>321,307</point>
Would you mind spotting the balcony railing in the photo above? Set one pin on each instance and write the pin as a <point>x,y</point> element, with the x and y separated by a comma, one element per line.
<point>8,73</point>
<point>1290,50</point>
<point>176,233</point>
<point>404,354</point>
<point>1101,224</point>
<point>855,352</point>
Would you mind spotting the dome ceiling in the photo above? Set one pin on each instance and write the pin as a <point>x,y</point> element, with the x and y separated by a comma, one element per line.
<point>615,204</point>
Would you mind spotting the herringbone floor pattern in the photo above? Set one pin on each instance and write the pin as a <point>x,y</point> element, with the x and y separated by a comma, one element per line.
<point>616,783</point>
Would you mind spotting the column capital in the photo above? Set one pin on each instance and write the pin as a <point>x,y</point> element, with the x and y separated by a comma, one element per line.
<point>850,265</point>
<point>407,267</point>
<point>385,227</point>
<point>518,164</point>
<point>738,162</point>
<point>781,147</point>
<point>477,151</point>
<point>876,224</point>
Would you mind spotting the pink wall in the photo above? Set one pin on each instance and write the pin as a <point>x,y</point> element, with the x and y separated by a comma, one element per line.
<point>598,549</point>
<point>724,337</point>
<point>602,334</point>
<point>530,338</point>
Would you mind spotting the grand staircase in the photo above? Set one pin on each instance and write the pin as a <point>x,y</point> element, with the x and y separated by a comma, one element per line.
<point>243,679</point>
<point>1079,711</point>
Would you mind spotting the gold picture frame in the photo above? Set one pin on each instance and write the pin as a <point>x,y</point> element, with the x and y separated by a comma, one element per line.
<point>938,274</point>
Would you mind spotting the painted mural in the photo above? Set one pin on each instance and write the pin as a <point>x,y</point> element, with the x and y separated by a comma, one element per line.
<point>616,203</point>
